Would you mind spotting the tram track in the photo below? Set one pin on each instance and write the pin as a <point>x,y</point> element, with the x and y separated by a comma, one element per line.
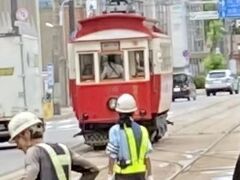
<point>200,109</point>
<point>227,123</point>
<point>202,115</point>
<point>230,110</point>
<point>205,151</point>
<point>87,151</point>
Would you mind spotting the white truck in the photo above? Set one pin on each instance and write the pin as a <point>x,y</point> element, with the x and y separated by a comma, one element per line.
<point>21,85</point>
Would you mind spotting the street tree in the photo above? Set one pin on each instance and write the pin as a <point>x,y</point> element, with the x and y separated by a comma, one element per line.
<point>214,61</point>
<point>215,33</point>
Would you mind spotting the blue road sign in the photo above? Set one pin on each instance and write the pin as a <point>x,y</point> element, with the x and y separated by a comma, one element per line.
<point>229,8</point>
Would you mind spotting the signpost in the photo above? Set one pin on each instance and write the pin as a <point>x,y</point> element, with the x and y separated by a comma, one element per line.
<point>229,8</point>
<point>203,15</point>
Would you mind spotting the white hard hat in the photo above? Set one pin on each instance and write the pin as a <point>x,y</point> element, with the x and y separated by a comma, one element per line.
<point>21,122</point>
<point>126,104</point>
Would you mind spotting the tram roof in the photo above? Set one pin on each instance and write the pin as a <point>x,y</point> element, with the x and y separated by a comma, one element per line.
<point>120,25</point>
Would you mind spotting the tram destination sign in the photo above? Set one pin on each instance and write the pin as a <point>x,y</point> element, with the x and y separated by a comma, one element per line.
<point>229,8</point>
<point>110,46</point>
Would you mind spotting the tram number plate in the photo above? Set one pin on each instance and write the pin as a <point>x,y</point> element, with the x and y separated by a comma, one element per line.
<point>2,127</point>
<point>217,82</point>
<point>176,89</point>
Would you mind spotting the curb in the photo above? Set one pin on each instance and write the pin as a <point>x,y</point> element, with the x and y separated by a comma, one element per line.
<point>201,92</point>
<point>61,117</point>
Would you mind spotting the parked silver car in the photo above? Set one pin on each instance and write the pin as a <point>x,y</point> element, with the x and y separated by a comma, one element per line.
<point>236,84</point>
<point>220,81</point>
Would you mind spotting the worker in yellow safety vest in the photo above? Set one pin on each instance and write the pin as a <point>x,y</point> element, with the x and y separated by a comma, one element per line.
<point>45,161</point>
<point>129,145</point>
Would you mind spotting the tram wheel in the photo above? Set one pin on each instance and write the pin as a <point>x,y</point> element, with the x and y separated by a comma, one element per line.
<point>154,136</point>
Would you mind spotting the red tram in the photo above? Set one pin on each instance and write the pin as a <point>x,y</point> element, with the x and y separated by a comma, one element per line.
<point>138,56</point>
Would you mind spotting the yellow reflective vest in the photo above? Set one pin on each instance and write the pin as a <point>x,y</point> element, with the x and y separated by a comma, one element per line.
<point>137,163</point>
<point>58,161</point>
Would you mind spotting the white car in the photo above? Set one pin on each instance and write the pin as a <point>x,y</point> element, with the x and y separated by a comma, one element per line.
<point>219,81</point>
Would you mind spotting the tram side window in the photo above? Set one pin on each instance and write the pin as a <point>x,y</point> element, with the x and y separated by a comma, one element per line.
<point>151,60</point>
<point>111,67</point>
<point>136,64</point>
<point>86,62</point>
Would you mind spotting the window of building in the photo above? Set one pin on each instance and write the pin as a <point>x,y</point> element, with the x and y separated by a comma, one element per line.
<point>136,64</point>
<point>86,62</point>
<point>111,67</point>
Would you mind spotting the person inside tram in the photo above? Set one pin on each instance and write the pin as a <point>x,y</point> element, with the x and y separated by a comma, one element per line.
<point>87,70</point>
<point>111,69</point>
<point>86,62</point>
<point>139,64</point>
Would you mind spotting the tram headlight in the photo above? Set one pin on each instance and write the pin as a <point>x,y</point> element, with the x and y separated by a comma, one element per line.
<point>112,102</point>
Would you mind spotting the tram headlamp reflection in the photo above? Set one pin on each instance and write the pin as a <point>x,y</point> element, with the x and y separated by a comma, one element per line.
<point>112,102</point>
<point>85,116</point>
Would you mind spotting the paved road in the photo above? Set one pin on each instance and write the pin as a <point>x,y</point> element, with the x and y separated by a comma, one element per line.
<point>200,143</point>
<point>56,131</point>
<point>199,146</point>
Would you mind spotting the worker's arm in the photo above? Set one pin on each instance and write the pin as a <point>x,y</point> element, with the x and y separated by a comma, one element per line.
<point>148,166</point>
<point>89,171</point>
<point>112,151</point>
<point>148,161</point>
<point>111,162</point>
<point>32,165</point>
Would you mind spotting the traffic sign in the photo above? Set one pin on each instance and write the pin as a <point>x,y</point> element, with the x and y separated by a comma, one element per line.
<point>204,15</point>
<point>50,73</point>
<point>186,54</point>
<point>22,14</point>
<point>229,8</point>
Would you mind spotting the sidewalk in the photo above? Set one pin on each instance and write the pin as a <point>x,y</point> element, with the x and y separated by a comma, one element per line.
<point>66,113</point>
<point>201,92</point>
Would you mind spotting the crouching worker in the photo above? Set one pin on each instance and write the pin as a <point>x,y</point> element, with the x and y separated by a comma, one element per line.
<point>45,161</point>
<point>129,145</point>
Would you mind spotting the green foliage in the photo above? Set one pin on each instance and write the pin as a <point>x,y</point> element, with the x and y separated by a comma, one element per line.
<point>212,28</point>
<point>214,61</point>
<point>199,81</point>
<point>210,7</point>
<point>214,33</point>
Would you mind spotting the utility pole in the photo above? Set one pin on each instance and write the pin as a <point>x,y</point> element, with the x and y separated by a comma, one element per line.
<point>71,17</point>
<point>233,29</point>
<point>56,38</point>
<point>13,15</point>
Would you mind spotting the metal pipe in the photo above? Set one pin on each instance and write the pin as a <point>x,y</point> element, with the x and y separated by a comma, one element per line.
<point>13,15</point>
<point>71,17</point>
<point>23,74</point>
<point>61,12</point>
<point>231,38</point>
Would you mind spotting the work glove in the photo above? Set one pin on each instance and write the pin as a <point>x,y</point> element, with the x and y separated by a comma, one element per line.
<point>150,177</point>
<point>110,177</point>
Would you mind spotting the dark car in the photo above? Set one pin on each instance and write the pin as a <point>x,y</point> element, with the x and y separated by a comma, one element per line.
<point>183,87</point>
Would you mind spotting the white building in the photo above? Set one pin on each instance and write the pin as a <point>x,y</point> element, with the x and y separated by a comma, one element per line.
<point>178,33</point>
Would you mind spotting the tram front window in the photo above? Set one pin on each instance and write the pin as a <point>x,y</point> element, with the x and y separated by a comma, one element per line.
<point>136,64</point>
<point>111,67</point>
<point>86,67</point>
